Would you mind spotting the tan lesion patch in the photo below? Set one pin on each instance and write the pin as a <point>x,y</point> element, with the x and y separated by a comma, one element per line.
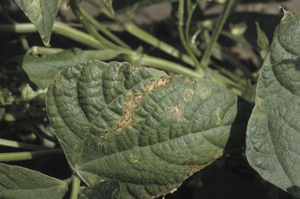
<point>204,91</point>
<point>176,112</point>
<point>134,101</point>
<point>187,80</point>
<point>188,94</point>
<point>219,119</point>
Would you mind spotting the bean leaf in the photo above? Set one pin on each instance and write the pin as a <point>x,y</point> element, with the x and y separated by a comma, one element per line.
<point>274,128</point>
<point>139,127</point>
<point>18,183</point>
<point>42,14</point>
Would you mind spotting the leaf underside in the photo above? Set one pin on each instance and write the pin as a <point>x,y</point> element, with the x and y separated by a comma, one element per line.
<point>140,127</point>
<point>273,134</point>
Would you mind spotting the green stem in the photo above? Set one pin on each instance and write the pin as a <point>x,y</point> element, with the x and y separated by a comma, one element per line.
<point>39,50</point>
<point>229,74</point>
<point>90,29</point>
<point>18,156</point>
<point>76,35</point>
<point>58,28</point>
<point>216,32</point>
<point>15,144</point>
<point>104,30</point>
<point>168,66</point>
<point>182,37</point>
<point>75,186</point>
<point>146,37</point>
<point>187,30</point>
<point>24,42</point>
<point>39,131</point>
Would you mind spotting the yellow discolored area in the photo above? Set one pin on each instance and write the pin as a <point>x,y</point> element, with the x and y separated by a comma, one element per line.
<point>219,119</point>
<point>188,94</point>
<point>204,91</point>
<point>134,158</point>
<point>175,112</point>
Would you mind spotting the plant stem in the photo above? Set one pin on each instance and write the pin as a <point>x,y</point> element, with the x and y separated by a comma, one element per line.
<point>18,156</point>
<point>216,32</point>
<point>182,37</point>
<point>75,186</point>
<point>105,31</point>
<point>168,66</point>
<point>146,37</point>
<point>76,35</point>
<point>39,131</point>
<point>15,144</point>
<point>40,50</point>
<point>90,29</point>
<point>187,31</point>
<point>58,28</point>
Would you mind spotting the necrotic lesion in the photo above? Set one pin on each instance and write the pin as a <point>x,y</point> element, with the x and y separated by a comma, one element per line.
<point>134,101</point>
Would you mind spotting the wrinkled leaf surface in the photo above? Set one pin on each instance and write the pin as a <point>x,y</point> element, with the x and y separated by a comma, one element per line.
<point>274,127</point>
<point>140,127</point>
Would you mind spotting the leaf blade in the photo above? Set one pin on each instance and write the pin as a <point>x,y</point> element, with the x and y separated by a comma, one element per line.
<point>273,128</point>
<point>41,70</point>
<point>18,182</point>
<point>42,14</point>
<point>141,121</point>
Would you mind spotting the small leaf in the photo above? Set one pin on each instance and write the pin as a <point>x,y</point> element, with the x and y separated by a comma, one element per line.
<point>42,14</point>
<point>140,127</point>
<point>274,128</point>
<point>262,41</point>
<point>41,70</point>
<point>109,5</point>
<point>19,183</point>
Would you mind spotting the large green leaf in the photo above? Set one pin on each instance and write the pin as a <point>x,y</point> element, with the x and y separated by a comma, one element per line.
<point>41,70</point>
<point>140,127</point>
<point>42,14</point>
<point>274,127</point>
<point>19,183</point>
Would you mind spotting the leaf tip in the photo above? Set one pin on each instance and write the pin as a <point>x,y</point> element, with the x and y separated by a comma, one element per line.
<point>286,14</point>
<point>46,41</point>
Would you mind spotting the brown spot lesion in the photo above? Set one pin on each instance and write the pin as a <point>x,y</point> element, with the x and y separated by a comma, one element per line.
<point>187,80</point>
<point>134,101</point>
<point>188,94</point>
<point>204,91</point>
<point>127,117</point>
<point>176,112</point>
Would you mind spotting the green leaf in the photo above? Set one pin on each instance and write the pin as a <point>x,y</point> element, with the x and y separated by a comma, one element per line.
<point>262,41</point>
<point>41,70</point>
<point>19,183</point>
<point>104,190</point>
<point>109,5</point>
<point>140,127</point>
<point>42,14</point>
<point>274,128</point>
